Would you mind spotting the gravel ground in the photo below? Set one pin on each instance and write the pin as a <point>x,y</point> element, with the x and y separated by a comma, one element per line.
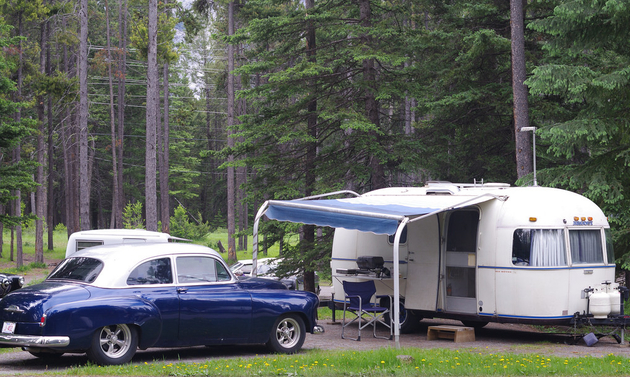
<point>494,338</point>
<point>508,338</point>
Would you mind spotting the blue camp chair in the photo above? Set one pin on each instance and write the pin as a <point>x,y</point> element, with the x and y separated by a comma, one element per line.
<point>359,302</point>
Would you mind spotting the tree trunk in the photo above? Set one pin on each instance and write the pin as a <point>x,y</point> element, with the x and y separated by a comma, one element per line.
<point>311,152</point>
<point>241,180</point>
<point>122,67</point>
<point>230,142</point>
<point>83,117</point>
<point>150,180</point>
<point>112,121</point>
<point>18,151</point>
<point>51,178</point>
<point>67,135</point>
<point>39,171</point>
<point>164,159</point>
<point>371,104</point>
<point>524,160</point>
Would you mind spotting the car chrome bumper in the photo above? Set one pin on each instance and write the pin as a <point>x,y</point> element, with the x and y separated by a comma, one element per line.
<point>318,330</point>
<point>34,340</point>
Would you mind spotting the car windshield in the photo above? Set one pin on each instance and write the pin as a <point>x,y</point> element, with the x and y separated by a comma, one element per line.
<point>79,269</point>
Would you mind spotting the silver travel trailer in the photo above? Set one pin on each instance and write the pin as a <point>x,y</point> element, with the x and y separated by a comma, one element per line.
<point>88,238</point>
<point>478,253</point>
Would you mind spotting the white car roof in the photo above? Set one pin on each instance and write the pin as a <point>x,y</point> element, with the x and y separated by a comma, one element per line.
<point>119,260</point>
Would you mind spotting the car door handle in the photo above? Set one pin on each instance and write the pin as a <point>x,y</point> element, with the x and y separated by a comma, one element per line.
<point>182,290</point>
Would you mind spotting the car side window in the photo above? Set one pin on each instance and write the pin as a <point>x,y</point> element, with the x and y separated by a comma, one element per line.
<point>156,271</point>
<point>200,269</point>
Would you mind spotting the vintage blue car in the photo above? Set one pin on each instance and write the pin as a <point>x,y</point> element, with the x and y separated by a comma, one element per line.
<point>108,301</point>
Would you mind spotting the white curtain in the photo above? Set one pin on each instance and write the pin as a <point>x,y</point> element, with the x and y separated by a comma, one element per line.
<point>547,248</point>
<point>586,246</point>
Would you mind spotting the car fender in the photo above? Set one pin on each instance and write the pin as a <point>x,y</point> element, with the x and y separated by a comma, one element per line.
<point>268,305</point>
<point>81,319</point>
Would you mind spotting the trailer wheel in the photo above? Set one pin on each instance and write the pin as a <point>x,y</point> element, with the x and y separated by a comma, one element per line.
<point>408,320</point>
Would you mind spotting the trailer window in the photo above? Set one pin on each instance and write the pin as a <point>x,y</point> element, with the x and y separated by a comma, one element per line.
<point>539,247</point>
<point>609,247</point>
<point>586,246</point>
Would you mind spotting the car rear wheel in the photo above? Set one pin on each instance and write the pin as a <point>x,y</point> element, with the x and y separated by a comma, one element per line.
<point>287,334</point>
<point>113,345</point>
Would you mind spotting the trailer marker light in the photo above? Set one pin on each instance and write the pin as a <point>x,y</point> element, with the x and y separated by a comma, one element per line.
<point>532,219</point>
<point>583,218</point>
<point>576,218</point>
<point>590,219</point>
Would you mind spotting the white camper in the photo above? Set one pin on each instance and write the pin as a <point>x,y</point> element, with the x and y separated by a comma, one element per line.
<point>475,252</point>
<point>88,238</point>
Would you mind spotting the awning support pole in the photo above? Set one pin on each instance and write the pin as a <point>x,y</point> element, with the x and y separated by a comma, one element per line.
<point>259,215</point>
<point>396,277</point>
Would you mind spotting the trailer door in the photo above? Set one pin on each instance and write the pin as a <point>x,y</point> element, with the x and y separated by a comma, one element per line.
<point>461,261</point>
<point>423,268</point>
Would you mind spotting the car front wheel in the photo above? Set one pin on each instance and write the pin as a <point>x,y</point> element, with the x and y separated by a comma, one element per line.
<point>113,345</point>
<point>287,334</point>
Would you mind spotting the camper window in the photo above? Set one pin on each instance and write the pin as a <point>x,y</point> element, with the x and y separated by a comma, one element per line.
<point>586,246</point>
<point>539,247</point>
<point>85,244</point>
<point>610,254</point>
<point>403,237</point>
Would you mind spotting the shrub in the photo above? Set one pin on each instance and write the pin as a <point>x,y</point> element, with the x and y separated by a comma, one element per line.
<point>132,216</point>
<point>182,227</point>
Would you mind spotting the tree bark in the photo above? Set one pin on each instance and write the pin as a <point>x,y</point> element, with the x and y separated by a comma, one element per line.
<point>371,104</point>
<point>164,159</point>
<point>311,152</point>
<point>83,117</point>
<point>230,141</point>
<point>112,120</point>
<point>122,72</point>
<point>150,180</point>
<point>39,171</point>
<point>524,160</point>
<point>18,152</point>
<point>51,178</point>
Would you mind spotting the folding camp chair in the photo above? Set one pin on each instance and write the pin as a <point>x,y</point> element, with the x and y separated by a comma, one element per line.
<point>358,302</point>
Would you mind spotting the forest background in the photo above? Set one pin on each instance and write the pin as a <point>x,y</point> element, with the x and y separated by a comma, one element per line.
<point>211,107</point>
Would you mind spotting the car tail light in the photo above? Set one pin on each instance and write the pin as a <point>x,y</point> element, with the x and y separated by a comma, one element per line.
<point>42,322</point>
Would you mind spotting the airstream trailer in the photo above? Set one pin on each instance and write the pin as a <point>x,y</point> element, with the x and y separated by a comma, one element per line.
<point>478,253</point>
<point>88,238</point>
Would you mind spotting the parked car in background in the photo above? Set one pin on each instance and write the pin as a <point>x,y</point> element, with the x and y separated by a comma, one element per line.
<point>10,282</point>
<point>266,269</point>
<point>108,301</point>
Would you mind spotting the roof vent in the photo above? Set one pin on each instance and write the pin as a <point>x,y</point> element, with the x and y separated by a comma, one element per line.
<point>441,188</point>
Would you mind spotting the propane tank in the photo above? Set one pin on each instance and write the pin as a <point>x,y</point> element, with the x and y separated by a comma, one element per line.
<point>615,298</point>
<point>599,303</point>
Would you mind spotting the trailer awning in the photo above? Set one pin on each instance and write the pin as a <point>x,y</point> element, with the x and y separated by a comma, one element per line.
<point>376,214</point>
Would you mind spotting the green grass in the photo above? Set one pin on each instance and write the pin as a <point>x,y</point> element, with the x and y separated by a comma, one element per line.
<point>382,362</point>
<point>221,235</point>
<point>60,240</point>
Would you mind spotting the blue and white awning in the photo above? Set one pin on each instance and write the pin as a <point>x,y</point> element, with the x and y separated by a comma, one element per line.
<point>376,214</point>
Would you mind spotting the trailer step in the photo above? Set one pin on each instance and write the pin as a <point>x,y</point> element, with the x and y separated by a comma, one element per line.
<point>458,334</point>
